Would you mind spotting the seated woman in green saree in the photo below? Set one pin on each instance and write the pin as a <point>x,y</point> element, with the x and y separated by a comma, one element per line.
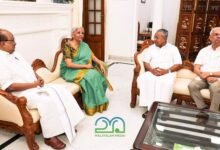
<point>78,66</point>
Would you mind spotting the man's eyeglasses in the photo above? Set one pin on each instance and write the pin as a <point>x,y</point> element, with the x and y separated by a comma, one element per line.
<point>10,41</point>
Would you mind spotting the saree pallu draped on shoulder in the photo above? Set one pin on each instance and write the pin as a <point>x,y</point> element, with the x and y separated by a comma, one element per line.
<point>92,82</point>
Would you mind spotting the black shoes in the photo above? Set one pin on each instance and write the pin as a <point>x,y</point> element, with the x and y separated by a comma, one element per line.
<point>205,108</point>
<point>202,118</point>
<point>202,115</point>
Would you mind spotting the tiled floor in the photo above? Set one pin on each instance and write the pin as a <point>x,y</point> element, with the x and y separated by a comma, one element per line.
<point>120,76</point>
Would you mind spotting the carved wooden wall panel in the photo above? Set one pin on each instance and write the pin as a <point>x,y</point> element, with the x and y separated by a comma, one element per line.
<point>197,43</point>
<point>201,6</point>
<point>212,21</point>
<point>206,40</point>
<point>199,23</point>
<point>183,44</point>
<point>196,19</point>
<point>214,6</point>
<point>187,6</point>
<point>185,23</point>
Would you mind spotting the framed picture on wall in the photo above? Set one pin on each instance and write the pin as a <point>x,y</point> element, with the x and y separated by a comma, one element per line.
<point>143,1</point>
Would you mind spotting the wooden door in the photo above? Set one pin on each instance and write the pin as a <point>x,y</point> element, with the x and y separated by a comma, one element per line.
<point>93,22</point>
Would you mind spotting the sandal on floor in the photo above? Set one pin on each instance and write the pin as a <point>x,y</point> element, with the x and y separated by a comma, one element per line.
<point>55,143</point>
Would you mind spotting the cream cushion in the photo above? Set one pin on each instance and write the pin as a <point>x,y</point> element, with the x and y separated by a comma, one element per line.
<point>140,59</point>
<point>10,112</point>
<point>54,77</point>
<point>181,86</point>
<point>72,87</point>
<point>183,78</point>
<point>49,76</point>
<point>185,73</point>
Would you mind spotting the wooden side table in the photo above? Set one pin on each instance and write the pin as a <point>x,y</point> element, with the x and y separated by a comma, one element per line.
<point>144,35</point>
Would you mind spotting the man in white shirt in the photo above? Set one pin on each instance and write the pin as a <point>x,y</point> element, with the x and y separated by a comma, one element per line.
<point>161,61</point>
<point>59,111</point>
<point>207,67</point>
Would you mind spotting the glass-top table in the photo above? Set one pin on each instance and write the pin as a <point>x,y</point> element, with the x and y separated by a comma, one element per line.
<point>173,127</point>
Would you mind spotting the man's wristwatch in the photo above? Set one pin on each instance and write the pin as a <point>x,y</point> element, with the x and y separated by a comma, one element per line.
<point>169,71</point>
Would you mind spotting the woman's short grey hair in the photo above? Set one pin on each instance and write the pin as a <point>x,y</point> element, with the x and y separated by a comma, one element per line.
<point>164,31</point>
<point>75,28</point>
<point>213,29</point>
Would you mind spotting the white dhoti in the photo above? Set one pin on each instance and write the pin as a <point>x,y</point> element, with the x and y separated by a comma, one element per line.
<point>155,88</point>
<point>58,109</point>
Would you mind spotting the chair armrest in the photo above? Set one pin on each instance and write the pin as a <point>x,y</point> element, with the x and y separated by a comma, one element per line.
<point>138,57</point>
<point>14,109</point>
<point>40,68</point>
<point>37,64</point>
<point>187,64</point>
<point>186,70</point>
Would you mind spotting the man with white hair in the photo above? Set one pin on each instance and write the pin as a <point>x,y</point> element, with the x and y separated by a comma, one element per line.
<point>161,62</point>
<point>207,67</point>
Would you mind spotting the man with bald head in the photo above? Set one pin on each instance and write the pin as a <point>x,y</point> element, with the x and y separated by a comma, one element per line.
<point>58,110</point>
<point>207,68</point>
<point>161,61</point>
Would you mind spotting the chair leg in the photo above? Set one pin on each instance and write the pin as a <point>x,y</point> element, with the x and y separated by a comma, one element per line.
<point>179,101</point>
<point>30,138</point>
<point>133,97</point>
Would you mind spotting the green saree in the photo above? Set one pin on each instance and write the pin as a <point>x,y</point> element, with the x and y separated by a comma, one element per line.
<point>92,82</point>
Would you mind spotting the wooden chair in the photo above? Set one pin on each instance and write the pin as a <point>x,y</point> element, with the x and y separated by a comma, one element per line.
<point>16,117</point>
<point>139,68</point>
<point>180,90</point>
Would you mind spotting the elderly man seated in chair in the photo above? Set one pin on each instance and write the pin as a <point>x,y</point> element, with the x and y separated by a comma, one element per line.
<point>207,68</point>
<point>161,61</point>
<point>59,112</point>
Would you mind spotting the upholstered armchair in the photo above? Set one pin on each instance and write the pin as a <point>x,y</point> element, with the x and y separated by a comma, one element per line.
<point>16,117</point>
<point>53,75</point>
<point>180,90</point>
<point>139,69</point>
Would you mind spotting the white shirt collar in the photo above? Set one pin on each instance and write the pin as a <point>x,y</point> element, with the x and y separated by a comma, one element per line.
<point>4,53</point>
<point>162,46</point>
